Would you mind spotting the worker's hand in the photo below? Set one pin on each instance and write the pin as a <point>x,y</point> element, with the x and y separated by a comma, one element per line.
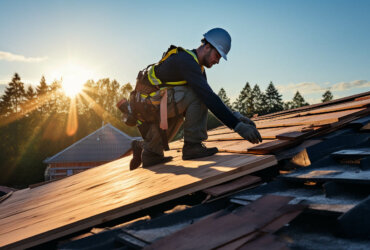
<point>248,132</point>
<point>244,119</point>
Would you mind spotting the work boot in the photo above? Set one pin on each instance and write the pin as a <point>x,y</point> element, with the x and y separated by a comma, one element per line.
<point>137,149</point>
<point>150,158</point>
<point>196,150</point>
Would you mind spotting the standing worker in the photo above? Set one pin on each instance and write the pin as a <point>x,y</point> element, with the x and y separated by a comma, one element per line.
<point>177,88</point>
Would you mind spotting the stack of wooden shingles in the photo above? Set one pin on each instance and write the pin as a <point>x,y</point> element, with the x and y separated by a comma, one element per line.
<point>289,128</point>
<point>250,227</point>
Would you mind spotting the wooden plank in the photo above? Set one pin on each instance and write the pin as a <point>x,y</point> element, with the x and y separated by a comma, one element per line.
<point>292,135</point>
<point>310,107</point>
<point>267,241</point>
<point>241,146</point>
<point>291,212</point>
<point>362,98</point>
<point>327,109</point>
<point>34,216</point>
<point>291,152</point>
<point>6,196</point>
<point>266,134</point>
<point>314,120</point>
<point>273,146</point>
<point>233,185</point>
<point>217,229</point>
<point>330,173</point>
<point>366,127</point>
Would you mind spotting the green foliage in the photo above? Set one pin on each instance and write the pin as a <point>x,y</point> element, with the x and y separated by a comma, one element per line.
<point>327,96</point>
<point>274,101</point>
<point>258,101</point>
<point>14,95</point>
<point>297,102</point>
<point>243,103</point>
<point>224,98</point>
<point>33,124</point>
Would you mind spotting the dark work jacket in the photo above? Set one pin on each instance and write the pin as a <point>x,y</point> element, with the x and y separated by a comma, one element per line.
<point>182,66</point>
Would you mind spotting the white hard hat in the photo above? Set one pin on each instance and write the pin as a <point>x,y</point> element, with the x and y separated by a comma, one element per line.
<point>220,39</point>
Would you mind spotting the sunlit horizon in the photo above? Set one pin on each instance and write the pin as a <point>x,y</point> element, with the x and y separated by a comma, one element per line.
<point>73,76</point>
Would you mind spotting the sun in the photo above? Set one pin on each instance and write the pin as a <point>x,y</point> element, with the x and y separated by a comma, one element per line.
<point>73,77</point>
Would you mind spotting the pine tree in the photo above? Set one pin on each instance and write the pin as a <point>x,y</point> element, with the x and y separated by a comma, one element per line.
<point>298,101</point>
<point>327,96</point>
<point>257,98</point>
<point>42,88</point>
<point>224,98</point>
<point>273,99</point>
<point>14,95</point>
<point>5,105</point>
<point>42,96</point>
<point>241,103</point>
<point>30,94</point>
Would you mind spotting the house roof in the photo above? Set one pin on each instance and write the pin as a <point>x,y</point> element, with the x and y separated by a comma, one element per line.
<point>302,141</point>
<point>105,144</point>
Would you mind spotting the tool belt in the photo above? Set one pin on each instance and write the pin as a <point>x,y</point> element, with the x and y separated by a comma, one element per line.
<point>148,101</point>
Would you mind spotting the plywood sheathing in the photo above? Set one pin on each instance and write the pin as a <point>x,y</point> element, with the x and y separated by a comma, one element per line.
<point>33,216</point>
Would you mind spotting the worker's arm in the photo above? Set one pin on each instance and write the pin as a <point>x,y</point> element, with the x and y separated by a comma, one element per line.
<point>192,73</point>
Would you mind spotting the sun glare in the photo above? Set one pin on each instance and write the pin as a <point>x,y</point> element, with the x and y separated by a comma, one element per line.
<point>74,77</point>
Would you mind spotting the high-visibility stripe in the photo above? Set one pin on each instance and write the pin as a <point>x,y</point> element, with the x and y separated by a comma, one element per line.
<point>172,51</point>
<point>177,83</point>
<point>195,58</point>
<point>154,80</point>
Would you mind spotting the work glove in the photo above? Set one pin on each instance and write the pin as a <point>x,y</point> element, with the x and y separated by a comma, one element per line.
<point>244,119</point>
<point>248,132</point>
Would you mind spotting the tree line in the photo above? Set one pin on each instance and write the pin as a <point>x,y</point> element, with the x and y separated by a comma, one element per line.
<point>254,102</point>
<point>38,122</point>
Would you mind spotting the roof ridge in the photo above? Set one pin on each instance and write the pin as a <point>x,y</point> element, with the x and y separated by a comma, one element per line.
<point>48,159</point>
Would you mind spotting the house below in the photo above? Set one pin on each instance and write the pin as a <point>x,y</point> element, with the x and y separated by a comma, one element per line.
<point>104,145</point>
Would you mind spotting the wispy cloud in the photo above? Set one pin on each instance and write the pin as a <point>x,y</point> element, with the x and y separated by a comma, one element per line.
<point>7,56</point>
<point>303,87</point>
<point>312,87</point>
<point>342,86</point>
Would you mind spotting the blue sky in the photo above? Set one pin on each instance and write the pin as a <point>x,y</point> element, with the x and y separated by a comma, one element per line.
<point>308,46</point>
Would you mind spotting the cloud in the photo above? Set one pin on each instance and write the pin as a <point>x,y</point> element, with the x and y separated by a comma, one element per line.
<point>302,87</point>
<point>342,86</point>
<point>7,56</point>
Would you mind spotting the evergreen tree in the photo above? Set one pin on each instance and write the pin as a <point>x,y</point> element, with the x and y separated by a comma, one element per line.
<point>30,94</point>
<point>327,96</point>
<point>224,98</point>
<point>242,103</point>
<point>14,95</point>
<point>298,101</point>
<point>42,96</point>
<point>5,106</point>
<point>258,100</point>
<point>42,88</point>
<point>273,99</point>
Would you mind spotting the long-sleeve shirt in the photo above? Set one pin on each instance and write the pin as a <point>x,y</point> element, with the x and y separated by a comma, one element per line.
<point>182,66</point>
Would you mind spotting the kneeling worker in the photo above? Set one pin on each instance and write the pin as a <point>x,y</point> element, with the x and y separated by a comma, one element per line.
<point>178,86</point>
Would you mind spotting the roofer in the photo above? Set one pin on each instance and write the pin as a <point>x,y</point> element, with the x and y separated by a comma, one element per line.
<point>176,91</point>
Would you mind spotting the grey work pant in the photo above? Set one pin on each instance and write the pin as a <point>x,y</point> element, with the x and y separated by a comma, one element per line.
<point>191,111</point>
